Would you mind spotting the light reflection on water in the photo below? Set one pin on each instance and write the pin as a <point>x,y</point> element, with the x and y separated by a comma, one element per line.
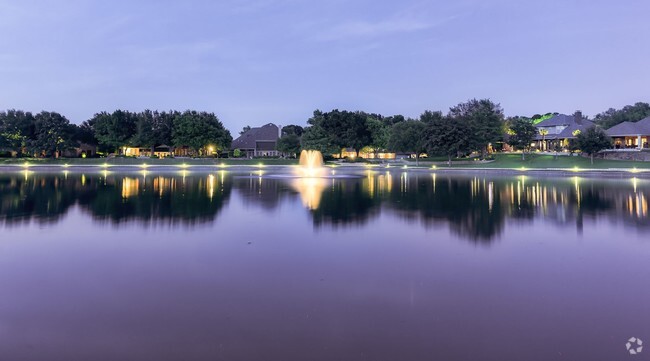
<point>475,207</point>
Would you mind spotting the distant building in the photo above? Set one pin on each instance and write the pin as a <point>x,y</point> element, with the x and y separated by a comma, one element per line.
<point>559,130</point>
<point>631,135</point>
<point>259,142</point>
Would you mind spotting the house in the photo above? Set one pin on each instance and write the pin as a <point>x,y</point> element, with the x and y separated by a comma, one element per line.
<point>365,153</point>
<point>631,135</point>
<point>258,142</point>
<point>559,130</point>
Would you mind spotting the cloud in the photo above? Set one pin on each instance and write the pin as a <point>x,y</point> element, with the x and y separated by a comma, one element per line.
<point>367,29</point>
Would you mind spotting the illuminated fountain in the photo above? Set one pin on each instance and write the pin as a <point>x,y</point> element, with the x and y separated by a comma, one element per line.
<point>311,164</point>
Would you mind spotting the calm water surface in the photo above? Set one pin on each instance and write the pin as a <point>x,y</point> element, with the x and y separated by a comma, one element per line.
<point>235,265</point>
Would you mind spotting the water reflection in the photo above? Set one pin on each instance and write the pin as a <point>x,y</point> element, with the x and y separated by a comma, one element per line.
<point>474,208</point>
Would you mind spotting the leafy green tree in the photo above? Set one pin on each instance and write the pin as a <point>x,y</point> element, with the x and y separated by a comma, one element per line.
<point>17,130</point>
<point>430,116</point>
<point>199,130</point>
<point>379,133</point>
<point>629,113</point>
<point>54,134</point>
<point>316,138</point>
<point>144,131</point>
<point>346,129</point>
<point>592,141</point>
<point>292,130</point>
<point>485,119</point>
<point>115,130</point>
<point>408,137</point>
<point>244,129</point>
<point>447,136</point>
<point>289,144</point>
<point>521,133</point>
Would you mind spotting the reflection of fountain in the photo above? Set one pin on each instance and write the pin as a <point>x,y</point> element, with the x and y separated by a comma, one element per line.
<point>311,164</point>
<point>310,190</point>
<point>310,185</point>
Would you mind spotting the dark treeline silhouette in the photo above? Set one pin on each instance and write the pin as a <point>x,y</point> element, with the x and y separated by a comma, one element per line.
<point>49,134</point>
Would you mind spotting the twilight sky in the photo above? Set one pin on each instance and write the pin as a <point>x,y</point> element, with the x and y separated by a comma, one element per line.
<point>259,61</point>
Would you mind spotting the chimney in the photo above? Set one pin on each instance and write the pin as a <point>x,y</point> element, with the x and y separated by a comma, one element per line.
<point>578,117</point>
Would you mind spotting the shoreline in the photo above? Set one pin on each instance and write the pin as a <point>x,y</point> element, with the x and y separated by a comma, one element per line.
<point>553,172</point>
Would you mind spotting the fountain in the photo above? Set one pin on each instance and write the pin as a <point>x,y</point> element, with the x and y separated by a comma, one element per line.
<point>311,164</point>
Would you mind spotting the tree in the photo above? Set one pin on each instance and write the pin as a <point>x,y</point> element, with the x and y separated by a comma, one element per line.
<point>199,130</point>
<point>144,131</point>
<point>346,129</point>
<point>408,136</point>
<point>244,129</point>
<point>54,134</point>
<point>289,144</point>
<point>17,130</point>
<point>316,138</point>
<point>379,133</point>
<point>114,130</point>
<point>593,140</point>
<point>292,129</point>
<point>521,132</point>
<point>447,136</point>
<point>485,119</point>
<point>431,116</point>
<point>629,113</point>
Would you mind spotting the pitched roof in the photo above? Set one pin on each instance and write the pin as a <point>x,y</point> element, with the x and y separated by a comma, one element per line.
<point>642,127</point>
<point>563,120</point>
<point>248,140</point>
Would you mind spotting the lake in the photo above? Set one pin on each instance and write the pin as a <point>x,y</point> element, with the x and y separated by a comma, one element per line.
<point>375,265</point>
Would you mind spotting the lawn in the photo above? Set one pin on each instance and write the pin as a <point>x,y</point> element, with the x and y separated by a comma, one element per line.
<point>539,161</point>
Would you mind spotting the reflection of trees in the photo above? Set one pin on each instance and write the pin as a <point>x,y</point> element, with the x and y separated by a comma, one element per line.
<point>345,202</point>
<point>471,209</point>
<point>194,199</point>
<point>474,208</point>
<point>116,198</point>
<point>27,196</point>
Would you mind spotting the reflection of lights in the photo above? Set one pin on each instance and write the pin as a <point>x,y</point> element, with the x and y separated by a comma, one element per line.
<point>635,181</point>
<point>310,190</point>
<point>65,174</point>
<point>83,179</point>
<point>129,187</point>
<point>211,186</point>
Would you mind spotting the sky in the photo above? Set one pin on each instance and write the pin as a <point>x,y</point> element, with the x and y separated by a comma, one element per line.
<point>252,62</point>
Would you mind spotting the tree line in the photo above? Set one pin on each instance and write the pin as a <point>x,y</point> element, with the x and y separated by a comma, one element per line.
<point>50,134</point>
<point>468,127</point>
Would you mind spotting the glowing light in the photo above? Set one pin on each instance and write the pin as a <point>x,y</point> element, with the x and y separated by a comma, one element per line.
<point>144,165</point>
<point>405,167</point>
<point>523,169</point>
<point>311,163</point>
<point>575,169</point>
<point>261,165</point>
<point>222,165</point>
<point>634,170</point>
<point>105,165</point>
<point>26,165</point>
<point>183,165</point>
<point>434,166</point>
<point>66,165</point>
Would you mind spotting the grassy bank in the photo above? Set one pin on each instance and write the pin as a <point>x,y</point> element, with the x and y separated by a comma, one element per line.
<point>538,161</point>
